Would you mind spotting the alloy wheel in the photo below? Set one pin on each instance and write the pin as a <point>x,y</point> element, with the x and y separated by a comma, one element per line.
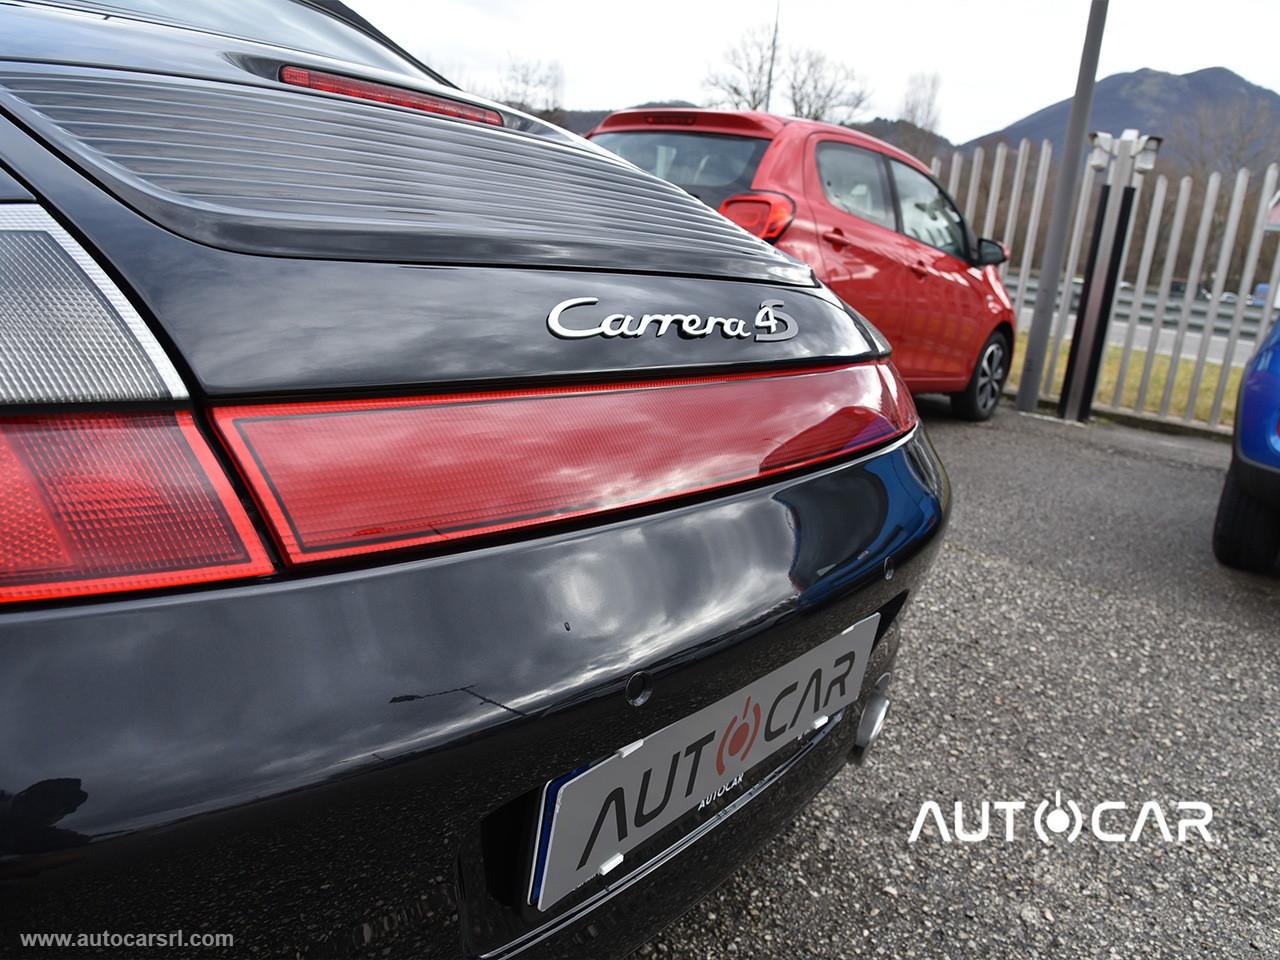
<point>991,374</point>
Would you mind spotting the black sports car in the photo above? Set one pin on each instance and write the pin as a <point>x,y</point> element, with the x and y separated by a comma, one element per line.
<point>422,533</point>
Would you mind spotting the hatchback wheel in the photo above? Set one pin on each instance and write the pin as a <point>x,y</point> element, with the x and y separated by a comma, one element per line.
<point>978,400</point>
<point>1246,533</point>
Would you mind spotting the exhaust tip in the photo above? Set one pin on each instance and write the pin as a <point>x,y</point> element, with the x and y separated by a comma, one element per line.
<point>871,721</point>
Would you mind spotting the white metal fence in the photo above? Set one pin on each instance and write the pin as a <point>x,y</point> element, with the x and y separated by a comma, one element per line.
<point>1184,319</point>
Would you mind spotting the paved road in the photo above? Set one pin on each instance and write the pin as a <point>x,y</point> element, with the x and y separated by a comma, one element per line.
<point>1118,329</point>
<point>1075,634</point>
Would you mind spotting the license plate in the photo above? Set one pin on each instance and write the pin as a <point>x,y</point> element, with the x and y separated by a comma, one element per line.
<point>591,817</point>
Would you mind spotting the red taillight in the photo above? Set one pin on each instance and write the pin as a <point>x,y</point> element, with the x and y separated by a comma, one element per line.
<point>103,502</point>
<point>385,93</point>
<point>766,215</point>
<point>352,477</point>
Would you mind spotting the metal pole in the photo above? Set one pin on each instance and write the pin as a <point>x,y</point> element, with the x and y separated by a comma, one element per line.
<point>1078,389</point>
<point>773,55</point>
<point>1059,221</point>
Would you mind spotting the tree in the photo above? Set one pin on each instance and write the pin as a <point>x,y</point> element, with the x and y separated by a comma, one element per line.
<point>822,90</point>
<point>1224,137</point>
<point>920,102</point>
<point>744,83</point>
<point>917,131</point>
<point>535,87</point>
<point>818,88</point>
<point>1221,136</point>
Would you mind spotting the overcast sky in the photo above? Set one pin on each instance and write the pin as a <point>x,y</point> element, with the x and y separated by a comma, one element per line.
<point>998,59</point>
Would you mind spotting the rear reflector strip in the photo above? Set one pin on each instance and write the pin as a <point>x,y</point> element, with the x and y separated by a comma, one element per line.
<point>345,478</point>
<point>103,502</point>
<point>385,93</point>
<point>67,333</point>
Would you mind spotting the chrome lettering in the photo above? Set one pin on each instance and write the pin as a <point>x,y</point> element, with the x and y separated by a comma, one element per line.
<point>780,326</point>
<point>770,324</point>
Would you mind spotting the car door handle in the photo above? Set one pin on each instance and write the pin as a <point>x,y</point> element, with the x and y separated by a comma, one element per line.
<point>836,239</point>
<point>919,269</point>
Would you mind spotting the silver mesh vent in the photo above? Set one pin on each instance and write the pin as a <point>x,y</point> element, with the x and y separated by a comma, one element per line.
<point>67,333</point>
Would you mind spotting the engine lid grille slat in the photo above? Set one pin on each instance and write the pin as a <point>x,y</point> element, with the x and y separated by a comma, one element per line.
<point>267,169</point>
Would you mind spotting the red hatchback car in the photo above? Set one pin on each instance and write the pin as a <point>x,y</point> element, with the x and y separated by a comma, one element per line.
<point>871,221</point>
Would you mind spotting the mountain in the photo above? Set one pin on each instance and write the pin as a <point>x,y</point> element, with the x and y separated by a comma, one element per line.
<point>905,135</point>
<point>1211,116</point>
<point>1171,105</point>
<point>579,121</point>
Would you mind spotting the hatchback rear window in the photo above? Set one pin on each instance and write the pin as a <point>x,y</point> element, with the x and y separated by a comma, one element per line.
<point>711,166</point>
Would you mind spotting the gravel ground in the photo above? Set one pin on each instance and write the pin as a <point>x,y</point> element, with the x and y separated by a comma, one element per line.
<point>1075,635</point>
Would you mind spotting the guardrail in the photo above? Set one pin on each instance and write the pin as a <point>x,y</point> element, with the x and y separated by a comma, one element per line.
<point>1127,303</point>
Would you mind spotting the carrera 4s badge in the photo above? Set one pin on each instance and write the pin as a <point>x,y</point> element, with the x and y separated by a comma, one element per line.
<point>769,325</point>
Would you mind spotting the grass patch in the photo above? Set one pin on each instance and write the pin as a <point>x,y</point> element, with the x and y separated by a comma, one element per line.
<point>1160,369</point>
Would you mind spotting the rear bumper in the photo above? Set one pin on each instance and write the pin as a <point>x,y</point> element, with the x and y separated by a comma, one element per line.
<point>335,765</point>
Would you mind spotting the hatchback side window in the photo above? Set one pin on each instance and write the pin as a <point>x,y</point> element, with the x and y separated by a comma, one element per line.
<point>928,215</point>
<point>854,180</point>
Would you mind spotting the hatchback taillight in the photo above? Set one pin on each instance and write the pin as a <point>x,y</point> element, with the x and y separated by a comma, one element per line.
<point>353,477</point>
<point>762,213</point>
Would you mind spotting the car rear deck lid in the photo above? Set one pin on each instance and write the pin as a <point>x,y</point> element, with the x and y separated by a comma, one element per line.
<point>276,170</point>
